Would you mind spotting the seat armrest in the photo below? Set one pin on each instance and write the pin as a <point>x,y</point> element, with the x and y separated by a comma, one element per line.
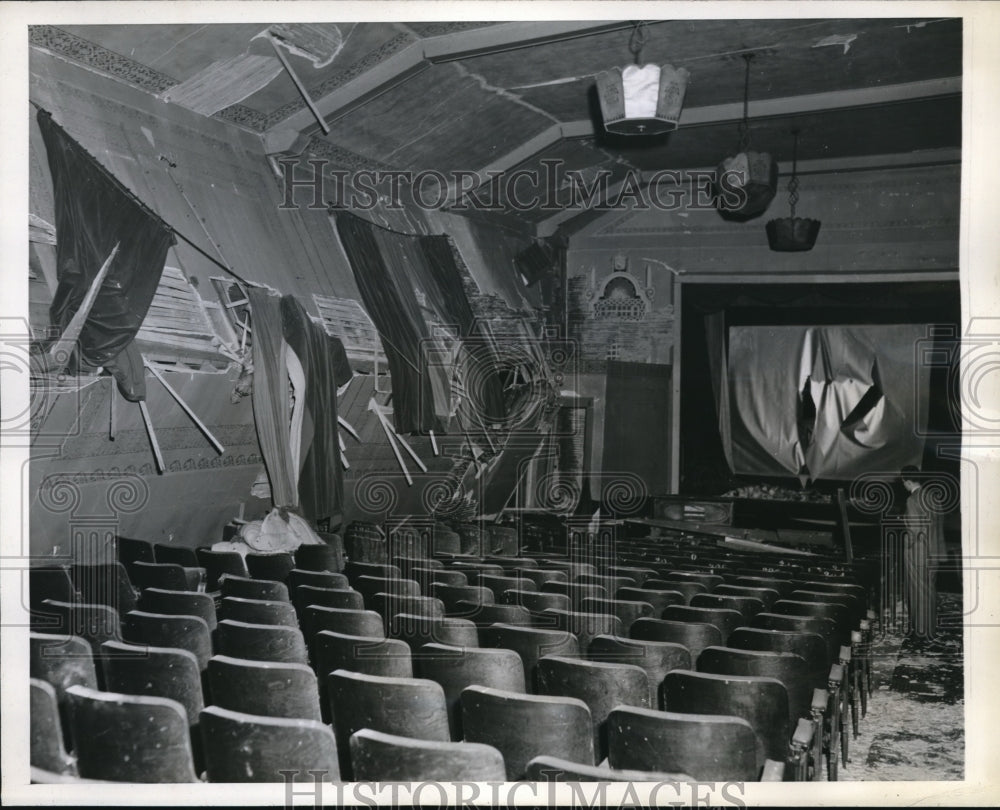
<point>803,733</point>
<point>820,700</point>
<point>774,771</point>
<point>195,577</point>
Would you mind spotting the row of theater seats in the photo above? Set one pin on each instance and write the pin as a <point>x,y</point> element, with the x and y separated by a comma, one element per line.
<point>440,668</point>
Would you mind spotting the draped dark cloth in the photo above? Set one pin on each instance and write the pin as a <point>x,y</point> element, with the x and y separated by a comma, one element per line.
<point>444,286</point>
<point>396,317</point>
<point>93,213</point>
<point>281,325</point>
<point>391,269</point>
<point>342,371</point>
<point>404,261</point>
<point>271,411</point>
<point>321,485</point>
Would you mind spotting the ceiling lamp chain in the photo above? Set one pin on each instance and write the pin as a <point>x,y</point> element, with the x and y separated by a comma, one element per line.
<point>786,234</point>
<point>744,127</point>
<point>746,182</point>
<point>638,40</point>
<point>641,99</point>
<point>793,184</point>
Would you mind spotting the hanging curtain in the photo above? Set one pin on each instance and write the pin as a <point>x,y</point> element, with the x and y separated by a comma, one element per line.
<point>93,213</point>
<point>715,339</point>
<point>270,396</point>
<point>399,330</point>
<point>297,369</point>
<point>406,267</point>
<point>412,288</point>
<point>317,449</point>
<point>826,402</point>
<point>478,365</point>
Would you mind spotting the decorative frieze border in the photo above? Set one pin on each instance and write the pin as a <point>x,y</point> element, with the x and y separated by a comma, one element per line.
<point>146,78</point>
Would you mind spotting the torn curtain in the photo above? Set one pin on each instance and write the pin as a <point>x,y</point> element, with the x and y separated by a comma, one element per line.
<point>394,316</point>
<point>432,353</point>
<point>93,213</point>
<point>412,289</point>
<point>443,283</point>
<point>825,402</point>
<point>322,359</point>
<point>297,369</point>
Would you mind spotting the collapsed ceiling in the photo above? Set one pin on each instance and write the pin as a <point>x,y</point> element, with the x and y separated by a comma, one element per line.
<point>494,98</point>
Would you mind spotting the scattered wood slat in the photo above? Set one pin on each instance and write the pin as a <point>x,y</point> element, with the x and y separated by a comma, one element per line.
<point>177,327</point>
<point>173,339</point>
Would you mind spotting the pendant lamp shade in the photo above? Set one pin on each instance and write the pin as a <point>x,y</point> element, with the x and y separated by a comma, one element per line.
<point>745,183</point>
<point>792,233</point>
<point>787,234</point>
<point>644,100</point>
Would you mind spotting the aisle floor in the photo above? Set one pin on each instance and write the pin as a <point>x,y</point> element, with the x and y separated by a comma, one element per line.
<point>915,726</point>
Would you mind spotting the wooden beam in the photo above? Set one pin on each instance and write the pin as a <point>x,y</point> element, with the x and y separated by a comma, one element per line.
<point>153,443</point>
<point>412,452</point>
<point>46,256</point>
<point>927,157</point>
<point>513,36</point>
<point>390,434</point>
<point>186,408</point>
<point>421,54</point>
<point>59,354</point>
<point>372,83</point>
<point>348,427</point>
<point>298,85</point>
<point>809,103</point>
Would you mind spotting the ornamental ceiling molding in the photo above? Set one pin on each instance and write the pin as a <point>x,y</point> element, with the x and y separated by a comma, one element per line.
<point>97,56</point>
<point>342,157</point>
<point>244,117</point>
<point>437,29</point>
<point>123,68</point>
<point>143,77</point>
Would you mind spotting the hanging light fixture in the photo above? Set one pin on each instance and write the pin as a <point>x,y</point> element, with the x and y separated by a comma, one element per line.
<point>641,100</point>
<point>791,232</point>
<point>747,182</point>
